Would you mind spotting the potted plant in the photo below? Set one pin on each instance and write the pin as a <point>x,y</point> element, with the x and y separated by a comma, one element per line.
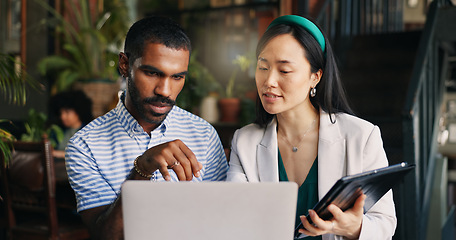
<point>199,83</point>
<point>229,104</point>
<point>36,128</point>
<point>13,84</point>
<point>91,39</point>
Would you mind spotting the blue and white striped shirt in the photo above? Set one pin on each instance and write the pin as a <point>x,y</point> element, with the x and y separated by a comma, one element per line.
<point>100,156</point>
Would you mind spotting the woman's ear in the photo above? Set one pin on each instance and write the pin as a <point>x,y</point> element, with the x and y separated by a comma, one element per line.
<point>316,76</point>
<point>123,64</point>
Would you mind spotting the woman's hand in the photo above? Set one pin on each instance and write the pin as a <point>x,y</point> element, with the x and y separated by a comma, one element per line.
<point>346,223</point>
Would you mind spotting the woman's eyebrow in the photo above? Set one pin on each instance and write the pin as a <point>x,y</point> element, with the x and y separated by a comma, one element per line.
<point>284,61</point>
<point>260,59</point>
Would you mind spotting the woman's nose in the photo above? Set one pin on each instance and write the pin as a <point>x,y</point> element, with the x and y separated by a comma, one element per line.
<point>271,79</point>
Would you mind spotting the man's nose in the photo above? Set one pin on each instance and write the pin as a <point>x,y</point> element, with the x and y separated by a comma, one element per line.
<point>163,87</point>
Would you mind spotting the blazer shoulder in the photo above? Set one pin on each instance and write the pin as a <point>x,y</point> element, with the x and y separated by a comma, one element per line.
<point>251,131</point>
<point>352,125</point>
<point>348,120</point>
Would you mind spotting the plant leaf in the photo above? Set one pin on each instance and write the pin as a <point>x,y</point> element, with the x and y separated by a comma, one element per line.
<point>66,79</point>
<point>14,80</point>
<point>53,63</point>
<point>57,134</point>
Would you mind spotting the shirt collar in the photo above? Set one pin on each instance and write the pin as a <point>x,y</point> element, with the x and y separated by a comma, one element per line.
<point>131,125</point>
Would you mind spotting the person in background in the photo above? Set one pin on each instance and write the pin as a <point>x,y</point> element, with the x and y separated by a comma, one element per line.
<point>146,137</point>
<point>74,111</point>
<point>305,132</point>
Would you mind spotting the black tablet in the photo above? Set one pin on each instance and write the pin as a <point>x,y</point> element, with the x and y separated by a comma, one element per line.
<point>374,184</point>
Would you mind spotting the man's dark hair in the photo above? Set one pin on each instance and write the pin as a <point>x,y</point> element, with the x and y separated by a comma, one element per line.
<point>154,29</point>
<point>76,100</point>
<point>331,95</point>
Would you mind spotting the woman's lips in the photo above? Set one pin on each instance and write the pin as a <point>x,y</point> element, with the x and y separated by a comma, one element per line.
<point>270,97</point>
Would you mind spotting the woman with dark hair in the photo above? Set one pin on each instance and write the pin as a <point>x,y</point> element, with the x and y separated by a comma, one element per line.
<point>74,109</point>
<point>305,132</point>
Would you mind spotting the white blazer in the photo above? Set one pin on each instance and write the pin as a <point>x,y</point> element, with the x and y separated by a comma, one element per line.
<point>348,146</point>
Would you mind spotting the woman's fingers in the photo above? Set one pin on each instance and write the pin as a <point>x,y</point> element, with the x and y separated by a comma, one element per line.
<point>318,227</point>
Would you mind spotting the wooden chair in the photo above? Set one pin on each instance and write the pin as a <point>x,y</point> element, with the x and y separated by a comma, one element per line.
<point>29,193</point>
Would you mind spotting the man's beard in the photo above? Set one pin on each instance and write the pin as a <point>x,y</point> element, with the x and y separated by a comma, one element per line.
<point>138,103</point>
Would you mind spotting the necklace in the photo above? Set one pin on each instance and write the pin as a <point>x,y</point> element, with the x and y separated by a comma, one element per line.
<point>295,148</point>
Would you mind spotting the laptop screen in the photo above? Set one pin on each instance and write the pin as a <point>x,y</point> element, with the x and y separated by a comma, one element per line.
<point>209,210</point>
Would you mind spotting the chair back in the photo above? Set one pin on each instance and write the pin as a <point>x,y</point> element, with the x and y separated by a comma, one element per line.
<point>28,187</point>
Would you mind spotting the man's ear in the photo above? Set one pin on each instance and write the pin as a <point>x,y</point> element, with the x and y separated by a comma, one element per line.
<point>123,64</point>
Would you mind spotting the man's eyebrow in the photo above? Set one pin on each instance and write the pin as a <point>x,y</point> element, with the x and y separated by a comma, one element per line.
<point>181,73</point>
<point>154,69</point>
<point>150,68</point>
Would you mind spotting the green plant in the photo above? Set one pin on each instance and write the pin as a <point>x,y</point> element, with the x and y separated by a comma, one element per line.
<point>35,127</point>
<point>6,139</point>
<point>244,63</point>
<point>199,82</point>
<point>90,40</point>
<point>14,81</point>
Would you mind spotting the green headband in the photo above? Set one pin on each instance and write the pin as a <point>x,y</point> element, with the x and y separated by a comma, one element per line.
<point>303,22</point>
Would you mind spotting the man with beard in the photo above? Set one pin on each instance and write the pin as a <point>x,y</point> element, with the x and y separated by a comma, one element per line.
<point>146,137</point>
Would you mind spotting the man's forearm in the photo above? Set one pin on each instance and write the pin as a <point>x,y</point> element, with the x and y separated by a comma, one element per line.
<point>107,222</point>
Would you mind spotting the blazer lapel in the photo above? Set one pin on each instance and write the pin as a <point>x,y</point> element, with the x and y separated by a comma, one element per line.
<point>331,154</point>
<point>267,155</point>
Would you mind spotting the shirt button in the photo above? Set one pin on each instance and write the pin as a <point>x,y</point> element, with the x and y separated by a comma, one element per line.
<point>138,129</point>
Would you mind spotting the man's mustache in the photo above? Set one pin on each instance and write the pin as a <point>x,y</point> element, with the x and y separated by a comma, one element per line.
<point>161,99</point>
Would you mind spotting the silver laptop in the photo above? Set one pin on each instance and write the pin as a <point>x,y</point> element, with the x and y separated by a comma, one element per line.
<point>209,210</point>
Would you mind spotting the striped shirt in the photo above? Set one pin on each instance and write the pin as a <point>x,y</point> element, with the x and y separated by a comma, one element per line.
<point>100,156</point>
